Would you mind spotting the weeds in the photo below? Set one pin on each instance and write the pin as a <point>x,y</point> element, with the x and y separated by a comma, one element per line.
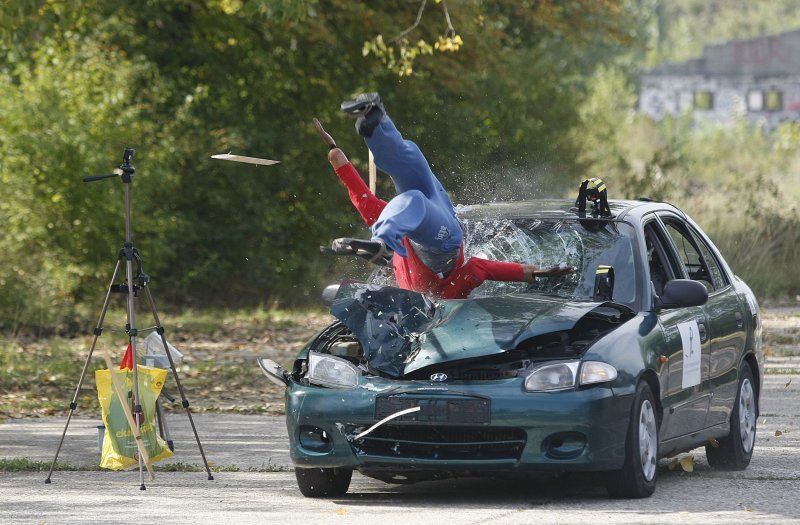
<point>38,376</point>
<point>782,371</point>
<point>30,465</point>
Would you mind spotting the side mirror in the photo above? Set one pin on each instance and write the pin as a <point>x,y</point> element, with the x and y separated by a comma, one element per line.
<point>329,294</point>
<point>274,372</point>
<point>681,293</point>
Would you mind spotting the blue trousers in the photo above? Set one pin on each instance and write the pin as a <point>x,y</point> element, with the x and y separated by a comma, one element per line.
<point>422,210</point>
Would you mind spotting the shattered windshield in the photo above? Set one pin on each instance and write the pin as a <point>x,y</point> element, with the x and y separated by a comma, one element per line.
<point>582,244</point>
<point>403,331</point>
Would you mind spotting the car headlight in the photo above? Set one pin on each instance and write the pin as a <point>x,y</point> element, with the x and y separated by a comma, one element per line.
<point>564,375</point>
<point>556,376</point>
<point>597,372</point>
<point>330,371</point>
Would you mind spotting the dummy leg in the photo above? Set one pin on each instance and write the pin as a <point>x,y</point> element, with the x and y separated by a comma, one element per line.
<point>403,161</point>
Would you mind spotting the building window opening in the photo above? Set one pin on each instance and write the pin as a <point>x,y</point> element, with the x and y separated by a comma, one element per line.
<point>703,100</point>
<point>755,101</point>
<point>773,100</point>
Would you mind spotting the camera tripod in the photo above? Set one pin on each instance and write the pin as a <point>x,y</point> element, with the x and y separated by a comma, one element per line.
<point>132,286</point>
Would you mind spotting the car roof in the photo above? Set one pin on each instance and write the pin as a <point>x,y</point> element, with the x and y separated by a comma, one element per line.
<point>563,209</point>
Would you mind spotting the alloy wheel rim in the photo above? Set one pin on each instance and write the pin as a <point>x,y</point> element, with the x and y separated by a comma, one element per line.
<point>647,440</point>
<point>747,415</point>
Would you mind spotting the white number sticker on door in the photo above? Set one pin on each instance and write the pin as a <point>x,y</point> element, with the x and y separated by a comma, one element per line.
<point>690,339</point>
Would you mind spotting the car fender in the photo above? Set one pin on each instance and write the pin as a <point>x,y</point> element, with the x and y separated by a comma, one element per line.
<point>632,349</point>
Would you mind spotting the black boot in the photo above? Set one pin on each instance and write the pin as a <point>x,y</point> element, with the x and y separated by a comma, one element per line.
<point>369,111</point>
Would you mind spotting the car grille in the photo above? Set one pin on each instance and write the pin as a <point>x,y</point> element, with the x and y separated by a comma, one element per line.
<point>443,443</point>
<point>436,410</point>
<point>480,374</point>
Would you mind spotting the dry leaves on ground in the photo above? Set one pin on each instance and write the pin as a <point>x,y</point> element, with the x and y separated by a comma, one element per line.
<point>218,371</point>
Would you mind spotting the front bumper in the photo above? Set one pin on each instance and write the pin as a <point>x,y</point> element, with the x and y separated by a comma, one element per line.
<point>462,426</point>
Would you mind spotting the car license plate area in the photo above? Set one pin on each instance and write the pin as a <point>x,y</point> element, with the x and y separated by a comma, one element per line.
<point>468,411</point>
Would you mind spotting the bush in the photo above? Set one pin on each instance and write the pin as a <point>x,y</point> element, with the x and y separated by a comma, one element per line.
<point>739,183</point>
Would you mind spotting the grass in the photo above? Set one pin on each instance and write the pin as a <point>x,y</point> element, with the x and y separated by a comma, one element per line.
<point>39,380</point>
<point>783,338</point>
<point>29,465</point>
<point>782,371</point>
<point>773,478</point>
<point>38,375</point>
<point>184,467</point>
<point>245,322</point>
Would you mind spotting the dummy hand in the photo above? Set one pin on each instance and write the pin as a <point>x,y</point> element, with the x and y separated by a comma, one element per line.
<point>336,157</point>
<point>324,134</point>
<point>532,271</point>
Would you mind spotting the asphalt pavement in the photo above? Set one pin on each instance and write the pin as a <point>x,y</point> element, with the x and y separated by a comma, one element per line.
<point>256,483</point>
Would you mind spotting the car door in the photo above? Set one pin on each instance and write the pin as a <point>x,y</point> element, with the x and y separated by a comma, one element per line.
<point>724,312</point>
<point>686,345</point>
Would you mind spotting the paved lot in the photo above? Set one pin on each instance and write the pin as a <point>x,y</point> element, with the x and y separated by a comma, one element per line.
<point>765,493</point>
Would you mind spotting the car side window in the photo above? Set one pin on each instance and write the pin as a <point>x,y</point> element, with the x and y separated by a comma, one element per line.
<point>718,278</point>
<point>658,260</point>
<point>695,255</point>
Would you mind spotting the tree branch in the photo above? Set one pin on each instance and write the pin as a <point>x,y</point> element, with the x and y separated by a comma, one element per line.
<point>450,29</point>
<point>414,26</point>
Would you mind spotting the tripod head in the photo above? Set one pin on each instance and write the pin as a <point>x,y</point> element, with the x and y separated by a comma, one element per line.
<point>126,170</point>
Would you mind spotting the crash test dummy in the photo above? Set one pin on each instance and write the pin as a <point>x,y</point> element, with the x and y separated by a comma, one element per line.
<point>417,229</point>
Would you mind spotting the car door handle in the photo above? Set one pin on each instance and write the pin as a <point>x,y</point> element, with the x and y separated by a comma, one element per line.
<point>701,328</point>
<point>739,320</point>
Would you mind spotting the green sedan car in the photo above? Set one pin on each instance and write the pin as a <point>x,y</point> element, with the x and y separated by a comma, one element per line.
<point>651,347</point>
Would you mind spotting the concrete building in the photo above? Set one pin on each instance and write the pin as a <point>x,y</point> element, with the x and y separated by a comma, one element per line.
<point>758,79</point>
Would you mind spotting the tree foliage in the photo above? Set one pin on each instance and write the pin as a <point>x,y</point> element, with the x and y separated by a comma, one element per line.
<point>180,80</point>
<point>507,98</point>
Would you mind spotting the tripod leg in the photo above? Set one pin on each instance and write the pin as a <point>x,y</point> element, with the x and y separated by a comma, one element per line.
<point>184,401</point>
<point>138,415</point>
<point>163,429</point>
<point>159,418</point>
<point>73,405</point>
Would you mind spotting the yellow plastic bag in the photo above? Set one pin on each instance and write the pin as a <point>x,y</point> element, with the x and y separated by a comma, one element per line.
<point>119,445</point>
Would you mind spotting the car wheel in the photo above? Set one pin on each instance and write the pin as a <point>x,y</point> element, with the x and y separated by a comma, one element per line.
<point>734,451</point>
<point>323,482</point>
<point>637,478</point>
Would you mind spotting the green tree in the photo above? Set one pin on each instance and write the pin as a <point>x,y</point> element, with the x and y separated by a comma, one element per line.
<point>62,109</point>
<point>180,80</point>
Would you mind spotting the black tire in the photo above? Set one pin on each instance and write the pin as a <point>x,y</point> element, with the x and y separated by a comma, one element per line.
<point>736,449</point>
<point>637,478</point>
<point>323,482</point>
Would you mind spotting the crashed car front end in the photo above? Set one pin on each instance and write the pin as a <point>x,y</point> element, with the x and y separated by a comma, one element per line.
<point>404,389</point>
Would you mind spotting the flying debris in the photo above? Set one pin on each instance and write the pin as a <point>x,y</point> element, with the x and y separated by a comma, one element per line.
<point>248,160</point>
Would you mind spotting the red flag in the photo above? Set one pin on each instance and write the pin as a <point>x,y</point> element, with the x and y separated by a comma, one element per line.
<point>127,363</point>
<point>127,359</point>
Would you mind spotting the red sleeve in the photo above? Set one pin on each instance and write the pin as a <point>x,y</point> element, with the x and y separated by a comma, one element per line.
<point>367,204</point>
<point>466,278</point>
<point>496,270</point>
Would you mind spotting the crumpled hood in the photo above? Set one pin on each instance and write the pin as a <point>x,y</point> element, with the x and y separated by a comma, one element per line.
<point>402,331</point>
